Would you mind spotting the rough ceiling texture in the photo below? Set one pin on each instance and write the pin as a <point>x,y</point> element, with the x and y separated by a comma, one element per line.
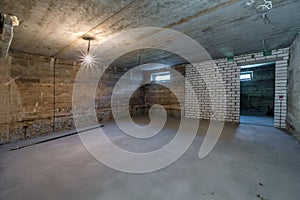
<point>222,27</point>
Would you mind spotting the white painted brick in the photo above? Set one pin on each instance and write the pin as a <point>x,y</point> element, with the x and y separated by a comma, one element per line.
<point>230,75</point>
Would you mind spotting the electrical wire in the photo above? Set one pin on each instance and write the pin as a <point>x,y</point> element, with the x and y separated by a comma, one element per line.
<point>268,5</point>
<point>95,27</point>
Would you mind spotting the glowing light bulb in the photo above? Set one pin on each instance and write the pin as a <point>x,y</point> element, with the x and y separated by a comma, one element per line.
<point>88,60</point>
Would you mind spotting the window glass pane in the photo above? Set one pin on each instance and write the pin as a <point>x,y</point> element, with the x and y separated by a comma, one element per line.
<point>246,76</point>
<point>163,76</point>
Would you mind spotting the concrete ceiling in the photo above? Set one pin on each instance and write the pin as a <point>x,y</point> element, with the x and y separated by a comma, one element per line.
<point>222,27</point>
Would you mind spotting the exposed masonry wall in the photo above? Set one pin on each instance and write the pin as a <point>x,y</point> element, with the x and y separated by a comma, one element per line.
<point>153,93</point>
<point>29,106</point>
<point>137,102</point>
<point>133,80</point>
<point>294,89</point>
<point>205,82</point>
<point>230,72</point>
<point>26,95</point>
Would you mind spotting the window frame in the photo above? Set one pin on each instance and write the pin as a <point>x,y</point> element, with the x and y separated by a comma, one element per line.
<point>245,73</point>
<point>157,74</point>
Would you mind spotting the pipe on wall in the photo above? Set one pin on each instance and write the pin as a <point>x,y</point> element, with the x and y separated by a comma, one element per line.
<point>7,23</point>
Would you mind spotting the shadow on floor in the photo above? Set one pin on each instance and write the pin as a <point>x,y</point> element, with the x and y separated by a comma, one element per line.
<point>257,120</point>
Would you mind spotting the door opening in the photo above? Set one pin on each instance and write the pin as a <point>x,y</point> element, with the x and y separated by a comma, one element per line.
<point>257,94</point>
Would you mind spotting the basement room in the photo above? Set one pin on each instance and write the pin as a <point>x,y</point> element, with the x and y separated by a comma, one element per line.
<point>150,99</point>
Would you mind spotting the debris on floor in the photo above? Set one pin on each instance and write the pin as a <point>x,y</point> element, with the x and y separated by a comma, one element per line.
<point>260,184</point>
<point>260,197</point>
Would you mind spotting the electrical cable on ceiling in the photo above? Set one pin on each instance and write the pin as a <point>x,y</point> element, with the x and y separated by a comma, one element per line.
<point>88,58</point>
<point>268,5</point>
<point>89,47</point>
<point>7,24</point>
<point>264,45</point>
<point>1,23</point>
<point>266,18</point>
<point>95,27</point>
<point>139,55</point>
<point>264,6</point>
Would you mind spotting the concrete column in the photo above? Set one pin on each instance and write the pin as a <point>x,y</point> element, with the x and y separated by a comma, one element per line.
<point>294,89</point>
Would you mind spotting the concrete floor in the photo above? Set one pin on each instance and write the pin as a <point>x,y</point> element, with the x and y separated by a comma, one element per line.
<point>257,120</point>
<point>249,162</point>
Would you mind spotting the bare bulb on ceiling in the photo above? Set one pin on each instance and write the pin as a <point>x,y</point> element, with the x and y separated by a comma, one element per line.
<point>88,59</point>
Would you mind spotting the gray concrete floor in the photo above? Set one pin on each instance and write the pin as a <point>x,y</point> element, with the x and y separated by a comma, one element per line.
<point>249,162</point>
<point>257,120</point>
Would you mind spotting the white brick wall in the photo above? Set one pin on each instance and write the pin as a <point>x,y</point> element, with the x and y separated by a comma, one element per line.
<point>209,83</point>
<point>230,72</point>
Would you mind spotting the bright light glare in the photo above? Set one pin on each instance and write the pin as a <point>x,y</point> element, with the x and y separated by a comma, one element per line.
<point>88,60</point>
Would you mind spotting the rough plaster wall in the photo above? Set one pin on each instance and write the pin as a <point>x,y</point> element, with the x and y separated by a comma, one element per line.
<point>294,89</point>
<point>22,103</point>
<point>257,95</point>
<point>153,93</point>
<point>133,79</point>
<point>137,102</point>
<point>158,94</point>
<point>65,73</point>
<point>230,72</point>
<point>27,103</point>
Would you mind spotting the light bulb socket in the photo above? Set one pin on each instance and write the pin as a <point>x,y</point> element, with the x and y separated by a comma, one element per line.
<point>88,37</point>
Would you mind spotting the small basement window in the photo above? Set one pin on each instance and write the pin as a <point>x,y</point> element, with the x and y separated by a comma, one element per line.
<point>246,76</point>
<point>161,77</point>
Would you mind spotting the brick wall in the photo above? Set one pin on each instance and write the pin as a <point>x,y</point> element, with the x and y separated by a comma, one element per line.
<point>294,89</point>
<point>205,78</point>
<point>230,71</point>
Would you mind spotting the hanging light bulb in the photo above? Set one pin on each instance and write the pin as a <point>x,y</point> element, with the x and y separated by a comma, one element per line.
<point>88,58</point>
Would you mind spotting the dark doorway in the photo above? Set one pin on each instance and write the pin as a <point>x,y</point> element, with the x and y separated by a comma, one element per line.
<point>257,94</point>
